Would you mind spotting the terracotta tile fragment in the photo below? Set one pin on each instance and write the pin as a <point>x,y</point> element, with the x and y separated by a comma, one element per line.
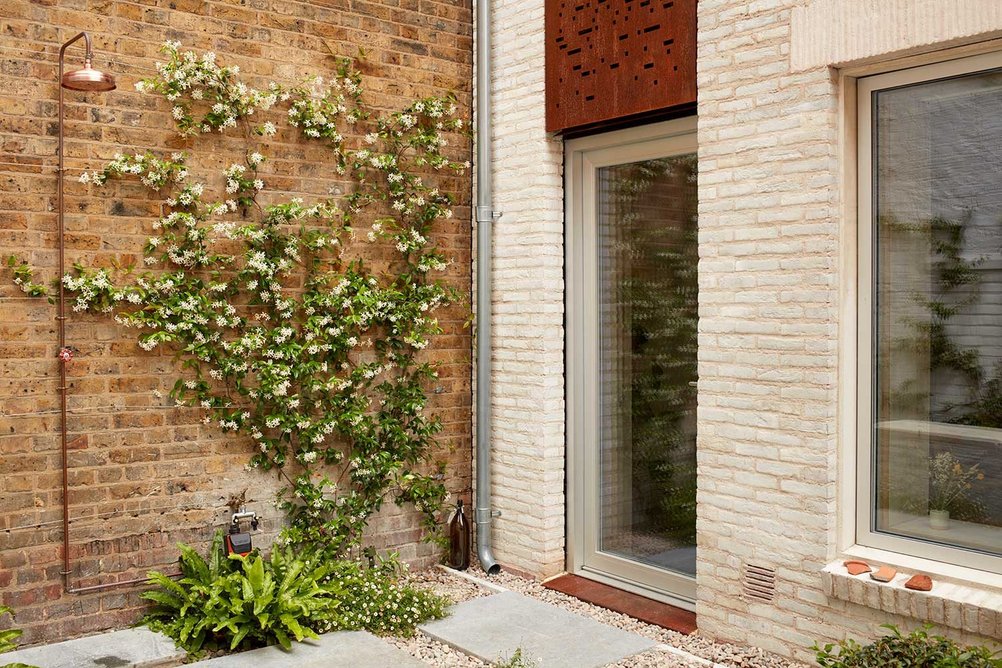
<point>883,574</point>
<point>919,582</point>
<point>855,567</point>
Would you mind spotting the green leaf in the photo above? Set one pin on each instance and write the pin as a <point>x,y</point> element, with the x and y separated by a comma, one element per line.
<point>255,575</point>
<point>291,624</point>
<point>239,636</point>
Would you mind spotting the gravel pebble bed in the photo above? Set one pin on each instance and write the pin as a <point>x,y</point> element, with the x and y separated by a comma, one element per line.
<point>655,658</point>
<point>460,589</point>
<point>457,588</point>
<point>435,653</point>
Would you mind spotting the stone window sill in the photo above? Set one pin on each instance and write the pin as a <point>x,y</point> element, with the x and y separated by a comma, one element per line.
<point>966,607</point>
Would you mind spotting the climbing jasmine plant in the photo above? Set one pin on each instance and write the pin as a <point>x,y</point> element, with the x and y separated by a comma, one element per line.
<point>283,331</point>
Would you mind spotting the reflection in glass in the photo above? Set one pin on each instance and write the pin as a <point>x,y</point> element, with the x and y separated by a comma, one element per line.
<point>937,400</point>
<point>647,332</point>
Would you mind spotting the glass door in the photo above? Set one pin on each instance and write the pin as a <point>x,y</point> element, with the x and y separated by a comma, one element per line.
<point>632,237</point>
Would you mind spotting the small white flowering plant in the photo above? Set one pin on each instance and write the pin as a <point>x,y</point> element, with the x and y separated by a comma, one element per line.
<point>283,331</point>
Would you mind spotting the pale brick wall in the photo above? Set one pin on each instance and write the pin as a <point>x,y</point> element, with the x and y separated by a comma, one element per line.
<point>768,326</point>
<point>770,227</point>
<point>840,32</point>
<point>769,306</point>
<point>528,430</point>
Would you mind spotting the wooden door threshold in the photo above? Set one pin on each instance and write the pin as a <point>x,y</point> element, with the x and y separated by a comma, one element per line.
<point>642,608</point>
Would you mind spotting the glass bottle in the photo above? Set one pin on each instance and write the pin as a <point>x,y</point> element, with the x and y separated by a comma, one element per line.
<point>459,539</point>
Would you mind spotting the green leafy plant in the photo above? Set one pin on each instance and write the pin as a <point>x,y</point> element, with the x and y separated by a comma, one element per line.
<point>516,660</point>
<point>953,288</point>
<point>24,278</point>
<point>236,601</point>
<point>8,636</point>
<point>245,602</point>
<point>658,282</point>
<point>918,649</point>
<point>289,328</point>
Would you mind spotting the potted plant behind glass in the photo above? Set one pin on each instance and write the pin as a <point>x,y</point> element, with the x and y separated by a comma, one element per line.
<point>950,483</point>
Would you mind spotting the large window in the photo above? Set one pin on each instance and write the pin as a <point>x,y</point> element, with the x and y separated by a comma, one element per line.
<point>930,344</point>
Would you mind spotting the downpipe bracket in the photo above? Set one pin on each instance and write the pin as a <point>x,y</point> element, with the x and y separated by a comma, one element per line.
<point>484,515</point>
<point>486,214</point>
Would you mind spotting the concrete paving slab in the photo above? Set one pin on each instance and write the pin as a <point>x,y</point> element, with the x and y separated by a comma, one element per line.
<point>493,627</point>
<point>344,649</point>
<point>130,648</point>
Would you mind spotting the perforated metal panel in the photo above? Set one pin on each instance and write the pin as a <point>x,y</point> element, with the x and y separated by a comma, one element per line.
<point>608,59</point>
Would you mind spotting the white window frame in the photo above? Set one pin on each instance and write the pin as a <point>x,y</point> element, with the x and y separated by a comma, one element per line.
<point>582,157</point>
<point>883,546</point>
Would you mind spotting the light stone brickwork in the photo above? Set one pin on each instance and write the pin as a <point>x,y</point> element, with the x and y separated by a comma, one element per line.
<point>770,221</point>
<point>528,387</point>
<point>838,32</point>
<point>768,328</point>
<point>770,282</point>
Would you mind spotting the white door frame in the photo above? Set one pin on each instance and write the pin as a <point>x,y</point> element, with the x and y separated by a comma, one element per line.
<point>582,157</point>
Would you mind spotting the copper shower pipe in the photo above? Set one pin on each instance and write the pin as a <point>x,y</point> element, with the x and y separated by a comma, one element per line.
<point>86,79</point>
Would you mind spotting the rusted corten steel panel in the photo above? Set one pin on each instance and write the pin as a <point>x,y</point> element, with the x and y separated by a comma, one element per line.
<point>609,59</point>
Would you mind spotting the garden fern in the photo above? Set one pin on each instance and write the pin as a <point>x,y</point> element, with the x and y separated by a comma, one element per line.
<point>240,602</point>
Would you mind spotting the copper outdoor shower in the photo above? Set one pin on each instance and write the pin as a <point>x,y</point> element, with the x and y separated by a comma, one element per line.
<point>87,80</point>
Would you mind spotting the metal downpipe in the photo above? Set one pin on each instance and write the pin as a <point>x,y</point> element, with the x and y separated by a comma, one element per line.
<point>485,216</point>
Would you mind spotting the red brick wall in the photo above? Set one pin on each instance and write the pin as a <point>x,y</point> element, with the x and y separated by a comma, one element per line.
<point>145,475</point>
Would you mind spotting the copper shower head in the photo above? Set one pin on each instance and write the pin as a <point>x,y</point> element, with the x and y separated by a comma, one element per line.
<point>88,79</point>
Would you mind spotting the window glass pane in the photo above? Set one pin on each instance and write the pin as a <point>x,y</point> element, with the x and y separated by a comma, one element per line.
<point>648,311</point>
<point>937,394</point>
